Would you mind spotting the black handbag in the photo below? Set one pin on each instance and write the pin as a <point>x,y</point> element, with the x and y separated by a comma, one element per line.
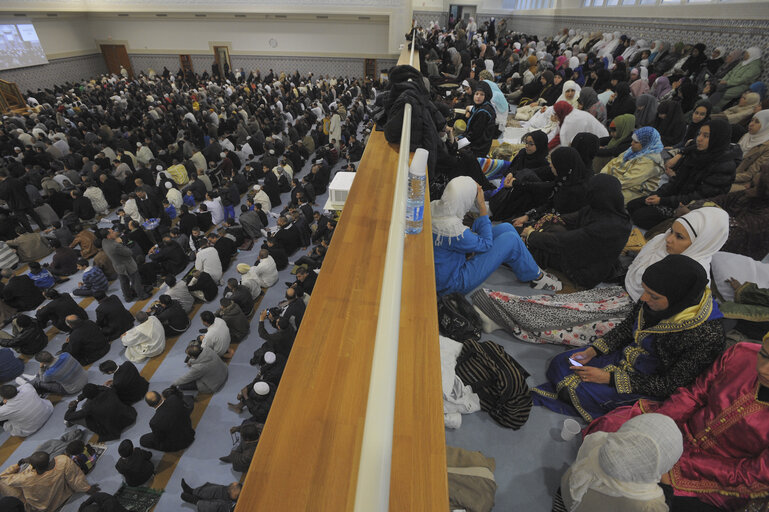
<point>457,319</point>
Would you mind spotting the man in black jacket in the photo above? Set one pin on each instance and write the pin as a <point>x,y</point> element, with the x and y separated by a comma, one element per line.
<point>28,337</point>
<point>279,341</point>
<point>20,292</point>
<point>305,281</point>
<point>225,246</point>
<point>169,256</point>
<point>292,309</point>
<point>56,311</point>
<point>277,252</point>
<point>172,315</point>
<point>82,206</point>
<point>103,413</point>
<point>287,236</point>
<point>171,425</point>
<point>126,380</point>
<point>111,316</point>
<point>86,343</point>
<point>202,286</point>
<point>240,295</point>
<point>14,193</point>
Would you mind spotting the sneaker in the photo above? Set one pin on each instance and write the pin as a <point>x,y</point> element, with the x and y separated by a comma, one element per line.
<point>547,282</point>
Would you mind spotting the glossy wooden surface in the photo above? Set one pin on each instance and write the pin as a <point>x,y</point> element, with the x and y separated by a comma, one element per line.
<point>308,454</point>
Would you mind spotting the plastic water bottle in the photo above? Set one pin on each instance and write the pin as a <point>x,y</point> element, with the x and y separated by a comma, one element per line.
<point>415,201</point>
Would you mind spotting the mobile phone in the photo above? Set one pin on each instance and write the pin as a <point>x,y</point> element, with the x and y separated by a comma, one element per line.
<point>575,363</point>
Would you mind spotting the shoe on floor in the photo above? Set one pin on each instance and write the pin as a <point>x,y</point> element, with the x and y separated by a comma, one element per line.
<point>547,282</point>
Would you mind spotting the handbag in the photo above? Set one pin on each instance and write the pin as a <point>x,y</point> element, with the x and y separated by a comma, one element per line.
<point>457,319</point>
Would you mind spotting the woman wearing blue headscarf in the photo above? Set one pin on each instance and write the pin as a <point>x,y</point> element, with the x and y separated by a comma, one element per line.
<point>639,168</point>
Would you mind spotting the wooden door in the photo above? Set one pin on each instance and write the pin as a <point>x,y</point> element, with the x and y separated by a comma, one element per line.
<point>369,69</point>
<point>222,57</point>
<point>185,62</point>
<point>115,56</point>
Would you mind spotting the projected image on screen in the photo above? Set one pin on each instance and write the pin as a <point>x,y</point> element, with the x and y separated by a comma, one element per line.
<point>20,47</point>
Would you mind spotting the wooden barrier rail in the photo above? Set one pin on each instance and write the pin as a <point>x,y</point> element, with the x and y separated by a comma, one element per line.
<point>309,451</point>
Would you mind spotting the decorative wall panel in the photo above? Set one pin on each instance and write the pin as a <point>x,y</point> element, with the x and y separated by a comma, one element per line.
<point>352,67</point>
<point>58,71</point>
<point>731,34</point>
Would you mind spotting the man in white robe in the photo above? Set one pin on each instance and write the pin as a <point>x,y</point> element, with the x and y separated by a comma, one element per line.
<point>148,339</point>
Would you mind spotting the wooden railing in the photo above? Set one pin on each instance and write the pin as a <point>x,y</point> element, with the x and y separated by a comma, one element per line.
<point>310,450</point>
<point>11,99</point>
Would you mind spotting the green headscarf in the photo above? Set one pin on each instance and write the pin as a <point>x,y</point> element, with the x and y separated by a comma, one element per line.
<point>625,125</point>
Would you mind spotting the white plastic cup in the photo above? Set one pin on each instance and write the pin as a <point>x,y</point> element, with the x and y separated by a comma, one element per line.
<point>570,429</point>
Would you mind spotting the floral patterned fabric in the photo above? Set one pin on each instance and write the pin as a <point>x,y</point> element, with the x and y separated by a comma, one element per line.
<point>574,319</point>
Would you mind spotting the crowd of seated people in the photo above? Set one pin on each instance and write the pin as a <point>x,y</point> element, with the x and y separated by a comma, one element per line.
<point>639,162</point>
<point>160,183</point>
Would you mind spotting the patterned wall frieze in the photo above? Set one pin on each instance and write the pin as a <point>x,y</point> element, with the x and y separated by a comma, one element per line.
<point>56,72</point>
<point>730,34</point>
<point>334,66</point>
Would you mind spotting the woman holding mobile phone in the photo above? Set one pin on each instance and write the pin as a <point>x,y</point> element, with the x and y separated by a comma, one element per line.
<point>672,335</point>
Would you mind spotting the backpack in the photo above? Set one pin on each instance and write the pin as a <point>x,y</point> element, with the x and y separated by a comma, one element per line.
<point>457,319</point>
<point>499,381</point>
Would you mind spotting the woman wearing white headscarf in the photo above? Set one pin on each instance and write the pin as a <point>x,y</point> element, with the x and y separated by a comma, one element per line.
<point>740,77</point>
<point>699,235</point>
<point>570,93</point>
<point>622,470</point>
<point>755,151</point>
<point>488,246</point>
<point>613,42</point>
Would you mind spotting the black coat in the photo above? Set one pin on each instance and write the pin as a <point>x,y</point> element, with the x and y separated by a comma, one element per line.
<point>14,193</point>
<point>171,425</point>
<point>278,254</point>
<point>242,297</point>
<point>86,343</point>
<point>83,208</point>
<point>104,415</point>
<point>57,310</point>
<point>226,248</point>
<point>21,293</point>
<point>187,221</point>
<point>171,258</point>
<point>129,385</point>
<point>113,318</point>
<point>288,237</point>
<point>279,341</point>
<point>29,341</point>
<point>694,180</point>
<point>64,261</point>
<point>137,468</point>
<point>206,285</point>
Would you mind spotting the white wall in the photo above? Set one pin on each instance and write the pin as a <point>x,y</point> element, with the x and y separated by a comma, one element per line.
<point>318,38</point>
<point>65,37</point>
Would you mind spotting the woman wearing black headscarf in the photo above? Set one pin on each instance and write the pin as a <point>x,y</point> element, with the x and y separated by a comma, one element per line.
<point>586,246</point>
<point>586,145</point>
<point>481,121</point>
<point>695,61</point>
<point>568,193</point>
<point>673,334</point>
<point>670,122</point>
<point>700,115</point>
<point>553,89</point>
<point>603,80</point>
<point>703,170</point>
<point>533,156</point>
<point>622,102</point>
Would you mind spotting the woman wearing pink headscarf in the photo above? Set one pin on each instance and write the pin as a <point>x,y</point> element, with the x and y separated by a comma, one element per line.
<point>639,78</point>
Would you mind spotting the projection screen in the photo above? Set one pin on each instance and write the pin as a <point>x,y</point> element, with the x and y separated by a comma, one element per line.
<point>20,46</point>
